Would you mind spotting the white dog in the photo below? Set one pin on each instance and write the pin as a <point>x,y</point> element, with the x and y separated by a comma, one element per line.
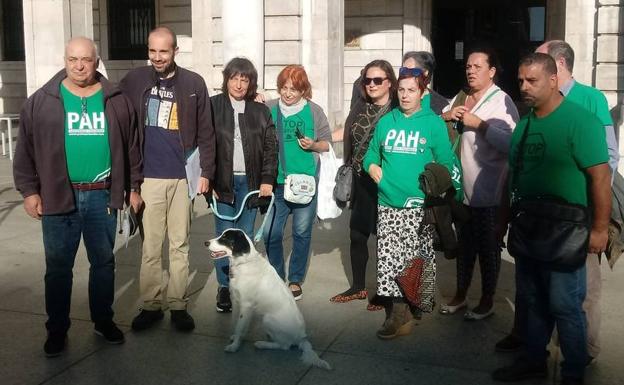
<point>256,288</point>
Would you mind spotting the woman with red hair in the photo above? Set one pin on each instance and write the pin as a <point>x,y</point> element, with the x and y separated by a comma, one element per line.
<point>302,132</point>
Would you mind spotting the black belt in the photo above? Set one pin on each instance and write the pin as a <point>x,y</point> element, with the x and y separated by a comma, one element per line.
<point>103,185</point>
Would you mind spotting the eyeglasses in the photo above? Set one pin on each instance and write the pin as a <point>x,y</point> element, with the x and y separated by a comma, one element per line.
<point>377,81</point>
<point>415,72</point>
<point>83,105</point>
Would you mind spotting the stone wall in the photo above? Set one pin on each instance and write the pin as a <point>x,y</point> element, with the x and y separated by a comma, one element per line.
<point>609,73</point>
<point>12,86</point>
<point>373,30</point>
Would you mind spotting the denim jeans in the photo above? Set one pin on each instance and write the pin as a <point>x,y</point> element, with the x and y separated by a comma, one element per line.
<point>61,237</point>
<point>302,221</point>
<point>554,298</point>
<point>245,222</point>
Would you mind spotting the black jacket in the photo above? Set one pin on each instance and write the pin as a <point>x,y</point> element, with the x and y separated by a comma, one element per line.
<point>40,166</point>
<point>259,145</point>
<point>194,113</point>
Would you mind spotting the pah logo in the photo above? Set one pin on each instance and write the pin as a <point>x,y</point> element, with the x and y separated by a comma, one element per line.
<point>86,124</point>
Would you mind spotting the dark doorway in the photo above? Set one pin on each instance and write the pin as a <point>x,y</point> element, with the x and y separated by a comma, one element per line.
<point>513,28</point>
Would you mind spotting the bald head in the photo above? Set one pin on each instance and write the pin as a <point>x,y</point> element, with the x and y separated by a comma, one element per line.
<point>165,32</point>
<point>84,44</point>
<point>560,51</point>
<point>81,62</point>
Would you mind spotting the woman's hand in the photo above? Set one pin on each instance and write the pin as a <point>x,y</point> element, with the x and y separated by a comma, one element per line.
<point>265,190</point>
<point>375,172</point>
<point>312,145</point>
<point>473,121</point>
<point>456,113</point>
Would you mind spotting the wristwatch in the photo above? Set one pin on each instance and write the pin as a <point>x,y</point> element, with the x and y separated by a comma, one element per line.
<point>136,190</point>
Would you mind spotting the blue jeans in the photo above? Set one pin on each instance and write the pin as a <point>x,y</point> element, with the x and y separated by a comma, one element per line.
<point>554,297</point>
<point>303,219</point>
<point>245,222</point>
<point>61,236</point>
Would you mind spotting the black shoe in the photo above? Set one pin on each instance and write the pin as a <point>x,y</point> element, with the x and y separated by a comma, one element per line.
<point>182,320</point>
<point>224,303</point>
<point>571,381</point>
<point>146,319</point>
<point>55,344</point>
<point>521,369</point>
<point>110,332</point>
<point>511,343</point>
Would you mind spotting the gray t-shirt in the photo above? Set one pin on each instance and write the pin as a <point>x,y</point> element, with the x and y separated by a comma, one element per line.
<point>239,155</point>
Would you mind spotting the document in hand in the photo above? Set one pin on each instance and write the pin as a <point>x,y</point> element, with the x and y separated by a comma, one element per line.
<point>193,172</point>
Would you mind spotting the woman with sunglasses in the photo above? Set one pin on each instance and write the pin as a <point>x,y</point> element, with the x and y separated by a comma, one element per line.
<point>379,85</point>
<point>405,140</point>
<point>302,132</point>
<point>246,157</point>
<point>482,119</point>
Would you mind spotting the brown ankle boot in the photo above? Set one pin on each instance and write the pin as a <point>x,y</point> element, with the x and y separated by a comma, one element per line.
<point>399,322</point>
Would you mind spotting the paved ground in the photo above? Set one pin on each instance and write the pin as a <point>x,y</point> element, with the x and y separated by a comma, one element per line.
<point>441,350</point>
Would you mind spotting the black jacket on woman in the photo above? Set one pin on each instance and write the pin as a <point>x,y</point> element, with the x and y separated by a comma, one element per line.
<point>259,145</point>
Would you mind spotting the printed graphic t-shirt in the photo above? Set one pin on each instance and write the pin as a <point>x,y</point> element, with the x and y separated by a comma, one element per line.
<point>558,148</point>
<point>87,150</point>
<point>163,151</point>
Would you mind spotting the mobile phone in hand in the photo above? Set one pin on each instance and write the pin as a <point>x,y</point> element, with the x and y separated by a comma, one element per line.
<point>299,134</point>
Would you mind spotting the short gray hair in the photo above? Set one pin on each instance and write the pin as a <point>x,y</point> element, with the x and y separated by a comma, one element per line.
<point>560,49</point>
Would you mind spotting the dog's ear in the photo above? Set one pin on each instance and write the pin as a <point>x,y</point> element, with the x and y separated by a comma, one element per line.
<point>240,243</point>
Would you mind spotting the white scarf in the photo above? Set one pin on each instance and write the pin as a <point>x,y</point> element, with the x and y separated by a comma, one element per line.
<point>292,109</point>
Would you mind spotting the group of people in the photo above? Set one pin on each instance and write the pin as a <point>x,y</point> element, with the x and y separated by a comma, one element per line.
<point>570,153</point>
<point>88,148</point>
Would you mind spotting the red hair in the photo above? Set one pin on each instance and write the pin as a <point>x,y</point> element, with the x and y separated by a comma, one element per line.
<point>299,78</point>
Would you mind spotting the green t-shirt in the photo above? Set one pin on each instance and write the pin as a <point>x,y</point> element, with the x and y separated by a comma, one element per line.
<point>87,150</point>
<point>402,146</point>
<point>298,160</point>
<point>426,101</point>
<point>558,148</point>
<point>593,100</point>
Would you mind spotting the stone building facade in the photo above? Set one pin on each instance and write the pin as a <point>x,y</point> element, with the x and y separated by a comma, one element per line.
<point>333,39</point>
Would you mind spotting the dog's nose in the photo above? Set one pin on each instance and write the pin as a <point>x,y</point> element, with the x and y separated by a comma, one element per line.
<point>207,243</point>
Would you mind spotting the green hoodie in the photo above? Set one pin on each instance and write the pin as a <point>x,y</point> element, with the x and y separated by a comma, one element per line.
<point>402,146</point>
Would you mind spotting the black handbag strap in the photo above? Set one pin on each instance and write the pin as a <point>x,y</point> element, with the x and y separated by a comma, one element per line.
<point>520,156</point>
<point>367,134</point>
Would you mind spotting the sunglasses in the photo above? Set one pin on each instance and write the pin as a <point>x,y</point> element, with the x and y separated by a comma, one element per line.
<point>377,81</point>
<point>404,71</point>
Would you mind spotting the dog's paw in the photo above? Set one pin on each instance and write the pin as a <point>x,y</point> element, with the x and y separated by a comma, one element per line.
<point>233,347</point>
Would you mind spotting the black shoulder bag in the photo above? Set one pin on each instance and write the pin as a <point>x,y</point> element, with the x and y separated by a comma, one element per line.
<point>547,229</point>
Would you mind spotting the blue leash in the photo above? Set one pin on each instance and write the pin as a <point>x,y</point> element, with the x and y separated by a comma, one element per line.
<point>240,211</point>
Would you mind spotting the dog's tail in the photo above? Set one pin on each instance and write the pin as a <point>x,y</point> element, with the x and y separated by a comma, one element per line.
<point>310,357</point>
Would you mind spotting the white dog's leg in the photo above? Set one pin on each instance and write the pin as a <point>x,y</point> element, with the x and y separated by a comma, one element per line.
<point>242,324</point>
<point>267,345</point>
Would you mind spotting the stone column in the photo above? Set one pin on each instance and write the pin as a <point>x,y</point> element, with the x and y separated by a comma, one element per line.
<point>243,32</point>
<point>201,13</point>
<point>580,27</point>
<point>335,78</point>
<point>315,47</point>
<point>48,25</point>
<point>417,25</point>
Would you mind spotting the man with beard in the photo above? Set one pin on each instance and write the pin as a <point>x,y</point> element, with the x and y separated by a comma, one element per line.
<point>174,118</point>
<point>564,155</point>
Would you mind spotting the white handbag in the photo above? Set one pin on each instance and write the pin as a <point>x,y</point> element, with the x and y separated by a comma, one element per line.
<point>327,207</point>
<point>299,188</point>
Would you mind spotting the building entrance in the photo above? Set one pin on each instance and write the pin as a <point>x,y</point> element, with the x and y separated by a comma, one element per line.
<point>512,27</point>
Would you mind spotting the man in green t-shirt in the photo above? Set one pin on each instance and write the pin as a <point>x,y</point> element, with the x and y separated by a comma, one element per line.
<point>77,162</point>
<point>595,102</point>
<point>564,155</point>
